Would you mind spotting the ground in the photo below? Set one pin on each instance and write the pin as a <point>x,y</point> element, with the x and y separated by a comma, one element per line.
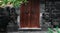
<point>29,32</point>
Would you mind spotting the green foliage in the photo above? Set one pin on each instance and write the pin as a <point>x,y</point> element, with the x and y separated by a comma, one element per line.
<point>57,30</point>
<point>51,31</point>
<point>15,3</point>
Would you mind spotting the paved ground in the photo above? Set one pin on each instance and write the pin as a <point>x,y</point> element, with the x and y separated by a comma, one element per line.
<point>29,32</point>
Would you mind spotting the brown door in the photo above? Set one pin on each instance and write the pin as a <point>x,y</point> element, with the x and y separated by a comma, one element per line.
<point>29,14</point>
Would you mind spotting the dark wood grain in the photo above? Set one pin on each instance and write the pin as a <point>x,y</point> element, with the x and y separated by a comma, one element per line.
<point>29,14</point>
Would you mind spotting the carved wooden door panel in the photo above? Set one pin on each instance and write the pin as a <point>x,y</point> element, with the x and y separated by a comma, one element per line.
<point>29,14</point>
<point>24,19</point>
<point>34,22</point>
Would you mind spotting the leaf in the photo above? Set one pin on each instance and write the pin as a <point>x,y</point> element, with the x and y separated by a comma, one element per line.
<point>50,30</point>
<point>15,3</point>
<point>57,30</point>
<point>0,3</point>
<point>5,1</point>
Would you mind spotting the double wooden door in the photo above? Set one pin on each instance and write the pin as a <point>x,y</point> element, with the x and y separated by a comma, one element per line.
<point>29,14</point>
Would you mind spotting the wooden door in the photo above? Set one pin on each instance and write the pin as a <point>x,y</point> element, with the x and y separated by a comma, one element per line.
<point>29,14</point>
<point>34,22</point>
